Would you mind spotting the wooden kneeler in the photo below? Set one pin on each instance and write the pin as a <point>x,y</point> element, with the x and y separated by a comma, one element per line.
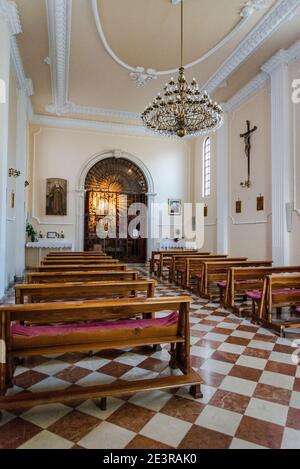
<point>173,331</point>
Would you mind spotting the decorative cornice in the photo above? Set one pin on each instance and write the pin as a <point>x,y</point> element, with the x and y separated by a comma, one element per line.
<point>282,57</point>
<point>9,11</point>
<point>262,78</point>
<point>246,92</point>
<point>106,127</point>
<point>59,14</point>
<point>73,108</point>
<point>281,11</point>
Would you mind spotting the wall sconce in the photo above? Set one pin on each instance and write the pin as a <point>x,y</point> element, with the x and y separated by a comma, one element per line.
<point>14,173</point>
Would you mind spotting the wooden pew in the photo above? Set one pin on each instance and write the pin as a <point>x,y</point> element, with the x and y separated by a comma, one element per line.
<point>165,259</point>
<point>214,272</point>
<point>80,267</point>
<point>178,260</point>
<point>80,290</point>
<point>24,341</point>
<point>157,258</point>
<point>76,253</point>
<point>184,268</point>
<point>78,261</point>
<point>81,276</point>
<point>242,279</point>
<point>48,258</point>
<point>278,291</point>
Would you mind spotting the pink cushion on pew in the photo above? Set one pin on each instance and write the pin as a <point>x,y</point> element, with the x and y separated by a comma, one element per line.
<point>254,295</point>
<point>298,310</point>
<point>222,284</point>
<point>65,329</point>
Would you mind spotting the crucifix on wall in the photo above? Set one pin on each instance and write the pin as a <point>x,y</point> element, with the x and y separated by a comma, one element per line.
<point>247,140</point>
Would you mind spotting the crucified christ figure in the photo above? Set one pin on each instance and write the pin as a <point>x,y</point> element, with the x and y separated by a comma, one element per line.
<point>247,140</point>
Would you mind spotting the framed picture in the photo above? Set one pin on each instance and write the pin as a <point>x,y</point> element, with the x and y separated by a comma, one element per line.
<point>56,197</point>
<point>238,206</point>
<point>260,203</point>
<point>51,234</point>
<point>174,206</point>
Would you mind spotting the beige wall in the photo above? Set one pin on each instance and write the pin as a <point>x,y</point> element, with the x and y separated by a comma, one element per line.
<point>62,153</point>
<point>250,231</point>
<point>294,72</point>
<point>11,184</point>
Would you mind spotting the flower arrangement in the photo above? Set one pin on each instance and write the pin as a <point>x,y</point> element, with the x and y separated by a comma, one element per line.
<point>31,233</point>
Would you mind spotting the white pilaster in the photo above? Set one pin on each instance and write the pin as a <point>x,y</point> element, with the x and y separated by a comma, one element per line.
<point>223,188</point>
<point>277,68</point>
<point>21,152</point>
<point>4,107</point>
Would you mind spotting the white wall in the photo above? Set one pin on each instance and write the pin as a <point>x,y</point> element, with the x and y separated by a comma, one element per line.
<point>294,73</point>
<point>62,153</point>
<point>250,231</point>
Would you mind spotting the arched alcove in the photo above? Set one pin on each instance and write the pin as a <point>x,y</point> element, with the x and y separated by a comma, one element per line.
<point>111,186</point>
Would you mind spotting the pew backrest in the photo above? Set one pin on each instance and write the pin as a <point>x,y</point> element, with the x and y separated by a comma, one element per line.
<point>81,276</point>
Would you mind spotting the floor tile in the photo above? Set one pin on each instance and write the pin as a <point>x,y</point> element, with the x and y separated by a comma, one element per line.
<point>243,444</point>
<point>183,409</point>
<point>252,362</point>
<point>151,400</point>
<point>277,379</point>
<point>46,415</point>
<point>203,438</point>
<point>238,385</point>
<point>293,419</point>
<point>47,440</point>
<point>230,401</point>
<point>220,420</point>
<point>132,417</point>
<point>273,394</point>
<point>291,439</point>
<point>107,436</point>
<point>266,410</point>
<point>167,429</point>
<point>16,432</point>
<point>295,400</point>
<point>217,366</point>
<point>74,425</point>
<point>260,432</point>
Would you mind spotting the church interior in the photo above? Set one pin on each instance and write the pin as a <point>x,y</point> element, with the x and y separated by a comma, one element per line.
<point>150,224</point>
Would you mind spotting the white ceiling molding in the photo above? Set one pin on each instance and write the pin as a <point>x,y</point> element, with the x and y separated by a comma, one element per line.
<point>59,16</point>
<point>142,76</point>
<point>96,111</point>
<point>105,127</point>
<point>9,11</point>
<point>280,12</point>
<point>282,56</point>
<point>246,92</point>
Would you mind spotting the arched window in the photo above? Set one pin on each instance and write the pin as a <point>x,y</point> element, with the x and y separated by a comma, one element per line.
<point>206,167</point>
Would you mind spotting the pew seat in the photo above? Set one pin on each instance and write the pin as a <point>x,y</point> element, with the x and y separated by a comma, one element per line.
<point>104,331</point>
<point>81,328</point>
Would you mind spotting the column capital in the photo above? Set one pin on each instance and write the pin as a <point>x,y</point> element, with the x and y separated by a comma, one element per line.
<point>281,57</point>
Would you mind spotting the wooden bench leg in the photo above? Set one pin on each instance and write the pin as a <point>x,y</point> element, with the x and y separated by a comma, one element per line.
<point>157,348</point>
<point>195,391</point>
<point>103,403</point>
<point>173,361</point>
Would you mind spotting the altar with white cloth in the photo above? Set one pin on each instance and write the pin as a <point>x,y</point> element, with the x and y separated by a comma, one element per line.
<point>37,250</point>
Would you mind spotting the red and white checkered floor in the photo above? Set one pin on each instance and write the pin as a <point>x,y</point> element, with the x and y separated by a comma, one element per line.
<point>251,393</point>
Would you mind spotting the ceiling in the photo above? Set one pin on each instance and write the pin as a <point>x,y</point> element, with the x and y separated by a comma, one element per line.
<point>81,80</point>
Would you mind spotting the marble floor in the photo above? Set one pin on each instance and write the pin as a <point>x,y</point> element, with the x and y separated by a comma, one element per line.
<point>251,393</point>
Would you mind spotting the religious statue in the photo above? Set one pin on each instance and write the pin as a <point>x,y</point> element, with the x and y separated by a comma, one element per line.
<point>247,140</point>
<point>56,197</point>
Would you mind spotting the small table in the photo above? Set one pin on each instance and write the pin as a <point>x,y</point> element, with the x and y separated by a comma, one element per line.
<point>46,244</point>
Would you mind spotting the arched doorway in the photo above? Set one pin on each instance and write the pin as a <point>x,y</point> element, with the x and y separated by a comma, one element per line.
<point>114,184</point>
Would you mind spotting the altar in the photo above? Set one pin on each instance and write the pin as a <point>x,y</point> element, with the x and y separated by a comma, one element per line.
<point>37,250</point>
